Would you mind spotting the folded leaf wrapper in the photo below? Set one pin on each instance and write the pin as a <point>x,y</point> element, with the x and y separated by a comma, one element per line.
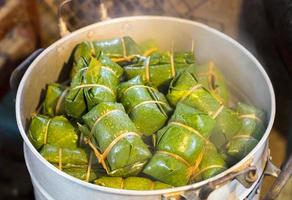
<point>115,140</point>
<point>212,164</point>
<point>131,183</point>
<point>144,104</point>
<point>74,161</point>
<point>120,50</point>
<point>82,55</point>
<point>212,79</point>
<point>180,146</point>
<point>92,84</point>
<point>158,69</point>
<point>185,88</point>
<point>252,128</point>
<point>54,100</point>
<point>57,131</point>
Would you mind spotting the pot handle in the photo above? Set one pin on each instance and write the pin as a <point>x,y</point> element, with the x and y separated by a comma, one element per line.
<point>63,29</point>
<point>18,72</point>
<point>281,181</point>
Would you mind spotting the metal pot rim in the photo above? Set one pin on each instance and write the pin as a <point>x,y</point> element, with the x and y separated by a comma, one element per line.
<point>148,192</point>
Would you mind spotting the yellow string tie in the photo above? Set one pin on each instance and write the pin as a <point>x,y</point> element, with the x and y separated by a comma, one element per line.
<point>177,157</point>
<point>93,85</point>
<point>102,157</point>
<point>147,69</point>
<point>110,70</point>
<point>122,183</point>
<point>60,100</point>
<point>188,93</point>
<point>250,116</point>
<point>150,51</point>
<point>89,167</point>
<point>146,102</point>
<point>215,115</point>
<point>207,168</point>
<point>138,86</point>
<point>100,118</point>
<point>60,158</point>
<point>189,129</point>
<point>172,64</point>
<point>46,131</point>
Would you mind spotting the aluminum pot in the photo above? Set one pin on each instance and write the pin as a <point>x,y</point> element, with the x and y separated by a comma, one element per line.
<point>244,73</point>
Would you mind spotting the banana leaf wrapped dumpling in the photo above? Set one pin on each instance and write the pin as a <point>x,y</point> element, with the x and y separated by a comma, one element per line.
<point>56,130</point>
<point>185,88</point>
<point>54,100</point>
<point>115,140</point>
<point>118,49</point>
<point>131,183</point>
<point>212,79</point>
<point>91,85</point>
<point>74,161</point>
<point>82,55</point>
<point>144,103</point>
<point>158,69</point>
<point>180,146</point>
<point>212,164</point>
<point>252,126</point>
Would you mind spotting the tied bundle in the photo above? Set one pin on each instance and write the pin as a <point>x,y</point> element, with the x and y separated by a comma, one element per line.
<point>159,68</point>
<point>74,161</point>
<point>131,183</point>
<point>115,140</point>
<point>144,103</point>
<point>185,88</point>
<point>124,99</point>
<point>180,146</point>
<point>91,85</point>
<point>52,130</point>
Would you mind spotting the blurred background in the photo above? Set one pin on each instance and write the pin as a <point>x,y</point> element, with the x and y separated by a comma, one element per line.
<point>263,26</point>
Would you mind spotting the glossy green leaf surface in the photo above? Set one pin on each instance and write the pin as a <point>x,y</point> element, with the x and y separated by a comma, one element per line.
<point>91,85</point>
<point>252,128</point>
<point>57,131</point>
<point>160,68</point>
<point>54,100</point>
<point>142,104</point>
<point>74,161</point>
<point>212,79</point>
<point>129,154</point>
<point>212,164</point>
<point>185,88</point>
<point>131,183</point>
<point>185,137</point>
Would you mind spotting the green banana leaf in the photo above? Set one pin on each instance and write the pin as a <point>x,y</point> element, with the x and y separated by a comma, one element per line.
<point>54,100</point>
<point>252,128</point>
<point>82,55</point>
<point>131,183</point>
<point>158,69</point>
<point>212,164</point>
<point>91,85</point>
<point>114,139</point>
<point>121,50</point>
<point>212,79</point>
<point>76,162</point>
<point>180,146</point>
<point>56,130</point>
<point>185,88</point>
<point>134,95</point>
<point>148,47</point>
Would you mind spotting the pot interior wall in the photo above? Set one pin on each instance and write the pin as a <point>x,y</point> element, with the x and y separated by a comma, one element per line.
<point>239,69</point>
